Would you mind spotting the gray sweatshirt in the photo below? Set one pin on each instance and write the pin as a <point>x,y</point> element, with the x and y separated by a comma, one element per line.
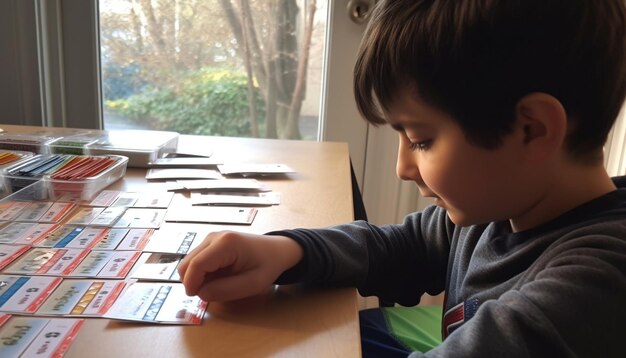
<point>556,290</point>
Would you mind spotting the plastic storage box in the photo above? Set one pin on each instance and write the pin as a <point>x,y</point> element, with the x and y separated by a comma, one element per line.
<point>140,146</point>
<point>19,176</point>
<point>74,144</point>
<point>33,143</point>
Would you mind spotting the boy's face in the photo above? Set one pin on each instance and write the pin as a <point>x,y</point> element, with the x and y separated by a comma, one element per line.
<point>473,184</point>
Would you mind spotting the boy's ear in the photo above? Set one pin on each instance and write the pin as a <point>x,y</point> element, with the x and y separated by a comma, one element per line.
<point>543,122</point>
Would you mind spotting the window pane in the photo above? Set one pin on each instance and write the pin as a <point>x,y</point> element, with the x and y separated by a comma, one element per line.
<point>228,67</point>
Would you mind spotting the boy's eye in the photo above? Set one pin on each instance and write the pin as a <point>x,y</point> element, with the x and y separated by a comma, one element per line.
<point>421,145</point>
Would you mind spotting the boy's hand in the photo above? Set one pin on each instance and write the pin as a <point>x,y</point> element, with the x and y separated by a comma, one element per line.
<point>231,265</point>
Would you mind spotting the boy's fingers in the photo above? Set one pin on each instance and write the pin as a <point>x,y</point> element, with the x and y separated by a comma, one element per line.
<point>182,268</point>
<point>233,287</point>
<point>206,261</point>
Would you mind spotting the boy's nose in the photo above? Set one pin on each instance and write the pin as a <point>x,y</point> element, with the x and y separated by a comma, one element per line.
<point>406,166</point>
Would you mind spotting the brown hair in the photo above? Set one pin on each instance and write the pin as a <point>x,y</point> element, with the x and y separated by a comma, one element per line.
<point>475,59</point>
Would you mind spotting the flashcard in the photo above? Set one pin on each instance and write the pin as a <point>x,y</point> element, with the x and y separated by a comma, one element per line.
<point>45,261</point>
<point>35,233</point>
<point>25,294</point>
<point>57,211</point>
<point>254,199</point>
<point>84,215</point>
<point>120,264</point>
<point>157,267</point>
<point>17,333</point>
<point>70,197</point>
<point>59,236</point>
<point>112,239</point>
<point>154,200</point>
<point>213,215</point>
<point>126,199</point>
<point>91,265</point>
<point>135,239</point>
<point>164,303</point>
<point>224,185</point>
<point>8,253</point>
<point>35,211</point>
<point>55,338</point>
<point>141,218</point>
<point>106,264</point>
<point>87,238</point>
<point>248,169</point>
<point>109,216</point>
<point>74,297</point>
<point>182,173</point>
<point>13,209</point>
<point>174,242</point>
<point>105,198</point>
<point>13,231</point>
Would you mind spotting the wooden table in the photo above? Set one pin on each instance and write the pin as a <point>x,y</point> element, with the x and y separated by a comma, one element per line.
<point>291,321</point>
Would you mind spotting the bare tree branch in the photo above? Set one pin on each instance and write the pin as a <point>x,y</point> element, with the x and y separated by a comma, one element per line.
<point>292,127</point>
<point>245,14</point>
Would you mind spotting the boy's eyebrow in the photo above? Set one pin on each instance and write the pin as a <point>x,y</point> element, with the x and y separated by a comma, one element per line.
<point>400,128</point>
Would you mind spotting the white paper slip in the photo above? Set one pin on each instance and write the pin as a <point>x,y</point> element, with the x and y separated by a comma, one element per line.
<point>154,199</point>
<point>25,294</point>
<point>212,215</point>
<point>254,199</point>
<point>251,169</point>
<point>164,303</point>
<point>8,253</point>
<point>17,333</point>
<point>185,162</point>
<point>76,297</point>
<point>141,218</point>
<point>174,242</point>
<point>54,339</point>
<point>224,185</point>
<point>157,267</point>
<point>182,173</point>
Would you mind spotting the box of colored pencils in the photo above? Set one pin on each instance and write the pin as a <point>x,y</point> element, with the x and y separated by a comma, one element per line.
<point>63,173</point>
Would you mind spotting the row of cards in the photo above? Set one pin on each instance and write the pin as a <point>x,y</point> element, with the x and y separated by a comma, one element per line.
<point>75,246</point>
<point>154,302</point>
<point>37,336</point>
<point>54,211</point>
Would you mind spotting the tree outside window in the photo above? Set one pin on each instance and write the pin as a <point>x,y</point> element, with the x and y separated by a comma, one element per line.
<point>213,67</point>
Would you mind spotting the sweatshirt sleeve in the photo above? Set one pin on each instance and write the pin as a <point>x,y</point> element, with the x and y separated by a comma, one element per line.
<point>397,263</point>
<point>572,307</point>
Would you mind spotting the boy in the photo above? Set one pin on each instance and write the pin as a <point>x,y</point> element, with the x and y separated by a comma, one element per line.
<point>502,108</point>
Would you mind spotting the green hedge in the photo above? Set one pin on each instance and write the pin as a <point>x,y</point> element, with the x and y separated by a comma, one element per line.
<point>205,102</point>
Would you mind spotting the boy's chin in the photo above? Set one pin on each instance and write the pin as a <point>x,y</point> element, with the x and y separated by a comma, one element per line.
<point>464,220</point>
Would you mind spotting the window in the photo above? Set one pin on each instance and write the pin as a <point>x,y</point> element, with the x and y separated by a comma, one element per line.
<point>229,67</point>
